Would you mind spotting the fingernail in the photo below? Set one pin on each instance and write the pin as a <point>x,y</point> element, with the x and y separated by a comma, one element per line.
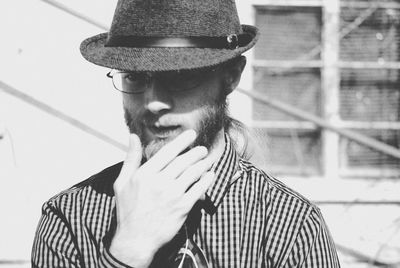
<point>202,150</point>
<point>190,133</point>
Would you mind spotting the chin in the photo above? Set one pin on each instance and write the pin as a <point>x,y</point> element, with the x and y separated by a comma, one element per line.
<point>153,147</point>
<point>154,143</point>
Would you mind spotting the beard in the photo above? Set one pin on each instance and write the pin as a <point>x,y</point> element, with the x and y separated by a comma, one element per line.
<point>213,117</point>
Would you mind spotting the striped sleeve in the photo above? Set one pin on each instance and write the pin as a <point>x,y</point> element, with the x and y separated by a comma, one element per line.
<point>314,246</point>
<point>54,244</point>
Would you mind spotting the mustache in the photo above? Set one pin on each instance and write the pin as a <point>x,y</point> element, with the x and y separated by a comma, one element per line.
<point>208,123</point>
<point>150,119</point>
<point>136,122</point>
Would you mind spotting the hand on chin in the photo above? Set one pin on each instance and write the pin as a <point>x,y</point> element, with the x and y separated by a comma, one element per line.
<point>156,143</point>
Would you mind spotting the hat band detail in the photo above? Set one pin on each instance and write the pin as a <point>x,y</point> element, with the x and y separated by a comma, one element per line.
<point>232,41</point>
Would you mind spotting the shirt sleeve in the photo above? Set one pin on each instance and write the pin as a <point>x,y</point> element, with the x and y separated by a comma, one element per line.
<point>55,245</point>
<point>314,246</point>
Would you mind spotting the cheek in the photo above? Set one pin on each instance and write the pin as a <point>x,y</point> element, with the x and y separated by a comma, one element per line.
<point>192,106</point>
<point>128,100</point>
<point>133,105</point>
<point>196,100</point>
<point>193,118</point>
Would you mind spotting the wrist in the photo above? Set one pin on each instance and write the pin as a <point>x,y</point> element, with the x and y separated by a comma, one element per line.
<point>137,255</point>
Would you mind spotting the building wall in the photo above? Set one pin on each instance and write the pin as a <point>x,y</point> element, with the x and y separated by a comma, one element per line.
<point>41,152</point>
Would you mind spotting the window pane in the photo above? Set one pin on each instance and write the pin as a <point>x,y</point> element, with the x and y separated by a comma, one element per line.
<point>298,87</point>
<point>357,155</point>
<point>370,95</point>
<point>377,37</point>
<point>287,32</point>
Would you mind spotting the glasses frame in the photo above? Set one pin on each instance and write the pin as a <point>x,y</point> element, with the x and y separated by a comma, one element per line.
<point>112,74</point>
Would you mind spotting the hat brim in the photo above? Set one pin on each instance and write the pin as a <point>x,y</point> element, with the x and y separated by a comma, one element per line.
<point>159,59</point>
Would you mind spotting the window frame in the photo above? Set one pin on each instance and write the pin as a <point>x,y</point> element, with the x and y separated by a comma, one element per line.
<point>330,65</point>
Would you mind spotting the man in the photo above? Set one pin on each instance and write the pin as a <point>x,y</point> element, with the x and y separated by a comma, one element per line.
<point>183,197</point>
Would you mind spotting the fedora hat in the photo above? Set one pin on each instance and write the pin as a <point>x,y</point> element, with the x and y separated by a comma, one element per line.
<point>168,35</point>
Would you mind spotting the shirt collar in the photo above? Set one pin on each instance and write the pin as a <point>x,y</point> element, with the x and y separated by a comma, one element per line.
<point>224,169</point>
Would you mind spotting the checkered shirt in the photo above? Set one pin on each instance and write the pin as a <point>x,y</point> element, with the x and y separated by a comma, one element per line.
<point>249,219</point>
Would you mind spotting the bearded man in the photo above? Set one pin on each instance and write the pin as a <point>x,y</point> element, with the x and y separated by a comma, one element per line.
<point>184,196</point>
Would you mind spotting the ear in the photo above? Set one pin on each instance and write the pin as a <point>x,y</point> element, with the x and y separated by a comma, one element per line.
<point>233,73</point>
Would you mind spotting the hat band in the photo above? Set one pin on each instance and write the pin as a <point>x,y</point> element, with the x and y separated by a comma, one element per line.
<point>232,41</point>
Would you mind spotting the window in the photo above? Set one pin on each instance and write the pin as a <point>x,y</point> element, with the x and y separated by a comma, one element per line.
<point>287,35</point>
<point>369,87</point>
<point>354,72</point>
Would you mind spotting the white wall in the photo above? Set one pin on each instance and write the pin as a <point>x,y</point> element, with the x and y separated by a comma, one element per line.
<point>40,56</point>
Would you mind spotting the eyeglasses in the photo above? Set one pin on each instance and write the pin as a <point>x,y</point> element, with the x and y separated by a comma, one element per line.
<point>137,82</point>
<point>190,256</point>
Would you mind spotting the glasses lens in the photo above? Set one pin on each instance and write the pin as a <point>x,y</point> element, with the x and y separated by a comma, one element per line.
<point>186,80</point>
<point>130,82</point>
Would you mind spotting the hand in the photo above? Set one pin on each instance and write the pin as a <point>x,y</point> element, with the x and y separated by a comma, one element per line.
<point>153,200</point>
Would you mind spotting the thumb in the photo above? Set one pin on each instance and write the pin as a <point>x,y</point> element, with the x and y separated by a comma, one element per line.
<point>133,158</point>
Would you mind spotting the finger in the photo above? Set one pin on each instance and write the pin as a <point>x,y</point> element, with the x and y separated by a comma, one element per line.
<point>172,149</point>
<point>132,160</point>
<point>199,189</point>
<point>192,174</point>
<point>184,161</point>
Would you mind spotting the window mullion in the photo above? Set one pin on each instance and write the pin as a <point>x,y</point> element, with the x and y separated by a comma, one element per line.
<point>330,86</point>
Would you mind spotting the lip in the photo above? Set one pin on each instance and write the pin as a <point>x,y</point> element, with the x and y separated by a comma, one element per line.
<point>164,132</point>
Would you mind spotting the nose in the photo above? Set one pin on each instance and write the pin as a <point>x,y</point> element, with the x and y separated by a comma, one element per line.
<point>157,99</point>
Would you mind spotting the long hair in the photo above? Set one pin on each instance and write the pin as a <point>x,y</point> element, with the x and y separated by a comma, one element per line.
<point>240,136</point>
<point>239,133</point>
